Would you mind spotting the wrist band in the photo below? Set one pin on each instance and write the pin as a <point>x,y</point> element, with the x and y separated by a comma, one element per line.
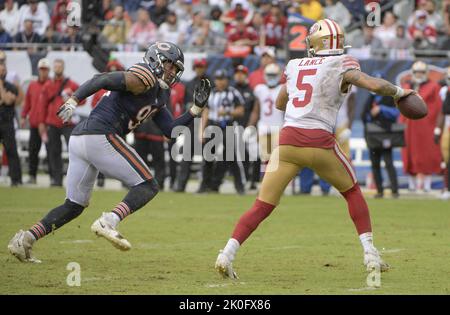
<point>437,131</point>
<point>399,93</point>
<point>196,110</point>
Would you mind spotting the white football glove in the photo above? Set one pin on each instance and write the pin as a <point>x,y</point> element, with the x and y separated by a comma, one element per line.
<point>344,135</point>
<point>66,111</point>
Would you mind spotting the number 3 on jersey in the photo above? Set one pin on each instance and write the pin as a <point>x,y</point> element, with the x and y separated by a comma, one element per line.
<point>301,86</point>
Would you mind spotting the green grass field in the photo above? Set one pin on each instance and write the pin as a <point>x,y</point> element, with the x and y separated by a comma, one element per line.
<point>308,246</point>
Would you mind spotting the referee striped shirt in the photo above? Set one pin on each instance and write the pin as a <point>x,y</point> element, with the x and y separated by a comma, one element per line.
<point>228,100</point>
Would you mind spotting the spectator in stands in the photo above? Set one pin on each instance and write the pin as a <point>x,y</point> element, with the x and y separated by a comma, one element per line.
<point>401,40</point>
<point>54,93</point>
<point>275,27</point>
<point>71,38</point>
<point>423,34</point>
<point>59,16</point>
<point>200,66</point>
<point>143,31</point>
<point>117,28</point>
<point>368,42</point>
<point>310,9</point>
<point>422,156</point>
<point>264,7</point>
<point>257,76</point>
<point>37,12</point>
<point>172,29</point>
<point>231,16</point>
<point>130,6</point>
<point>30,113</point>
<point>28,36</point>
<point>204,6</point>
<point>8,95</point>
<point>225,5</point>
<point>106,11</point>
<point>9,17</point>
<point>434,19</point>
<point>387,31</point>
<point>216,26</point>
<point>158,12</point>
<point>182,8</point>
<point>242,35</point>
<point>336,11</point>
<point>50,37</point>
<point>5,38</point>
<point>197,33</point>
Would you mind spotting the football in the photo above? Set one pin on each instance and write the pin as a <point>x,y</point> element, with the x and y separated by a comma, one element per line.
<point>412,107</point>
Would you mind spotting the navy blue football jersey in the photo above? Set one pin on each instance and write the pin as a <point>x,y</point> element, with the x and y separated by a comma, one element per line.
<point>121,112</point>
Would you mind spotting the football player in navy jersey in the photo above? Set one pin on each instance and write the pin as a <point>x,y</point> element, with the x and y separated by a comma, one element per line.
<point>97,144</point>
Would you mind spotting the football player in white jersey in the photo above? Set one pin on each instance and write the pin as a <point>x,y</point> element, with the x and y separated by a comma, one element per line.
<point>269,118</point>
<point>314,91</point>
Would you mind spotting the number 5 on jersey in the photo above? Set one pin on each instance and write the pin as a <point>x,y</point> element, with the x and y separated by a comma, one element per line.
<point>301,86</point>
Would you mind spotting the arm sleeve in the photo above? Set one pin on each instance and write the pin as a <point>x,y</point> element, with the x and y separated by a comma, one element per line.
<point>112,81</point>
<point>164,120</point>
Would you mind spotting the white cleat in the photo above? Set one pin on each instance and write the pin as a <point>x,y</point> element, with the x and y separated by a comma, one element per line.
<point>104,227</point>
<point>373,261</point>
<point>225,267</point>
<point>445,196</point>
<point>21,245</point>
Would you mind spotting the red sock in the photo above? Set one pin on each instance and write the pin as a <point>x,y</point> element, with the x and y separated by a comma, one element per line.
<point>250,220</point>
<point>357,207</point>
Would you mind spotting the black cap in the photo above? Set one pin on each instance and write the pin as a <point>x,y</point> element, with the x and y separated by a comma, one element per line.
<point>221,74</point>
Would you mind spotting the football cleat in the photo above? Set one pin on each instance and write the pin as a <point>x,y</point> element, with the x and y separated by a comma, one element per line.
<point>373,261</point>
<point>20,246</point>
<point>225,267</point>
<point>104,227</point>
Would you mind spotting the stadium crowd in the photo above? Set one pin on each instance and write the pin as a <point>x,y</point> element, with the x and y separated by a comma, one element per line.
<point>234,28</point>
<point>229,26</point>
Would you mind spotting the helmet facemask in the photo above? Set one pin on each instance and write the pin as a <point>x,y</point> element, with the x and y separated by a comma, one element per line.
<point>165,81</point>
<point>272,75</point>
<point>160,54</point>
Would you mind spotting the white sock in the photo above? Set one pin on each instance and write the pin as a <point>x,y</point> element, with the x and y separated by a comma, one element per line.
<point>32,236</point>
<point>367,241</point>
<point>419,182</point>
<point>411,182</point>
<point>231,248</point>
<point>113,218</point>
<point>427,183</point>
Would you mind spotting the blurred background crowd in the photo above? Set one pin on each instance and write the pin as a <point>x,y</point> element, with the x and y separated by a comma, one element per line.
<point>227,26</point>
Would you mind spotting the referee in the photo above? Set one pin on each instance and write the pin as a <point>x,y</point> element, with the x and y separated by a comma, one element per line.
<point>225,107</point>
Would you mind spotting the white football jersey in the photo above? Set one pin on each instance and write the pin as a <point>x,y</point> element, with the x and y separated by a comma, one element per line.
<point>313,86</point>
<point>270,117</point>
